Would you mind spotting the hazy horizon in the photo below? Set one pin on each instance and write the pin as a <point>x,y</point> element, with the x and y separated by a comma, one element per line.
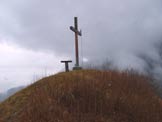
<point>35,36</point>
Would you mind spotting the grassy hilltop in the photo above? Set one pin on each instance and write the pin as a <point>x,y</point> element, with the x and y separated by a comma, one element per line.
<point>85,96</point>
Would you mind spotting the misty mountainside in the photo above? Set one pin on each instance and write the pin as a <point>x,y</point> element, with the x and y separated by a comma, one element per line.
<point>9,92</point>
<point>153,66</point>
<point>87,96</point>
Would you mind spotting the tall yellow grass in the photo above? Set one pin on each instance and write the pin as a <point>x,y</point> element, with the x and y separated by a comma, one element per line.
<point>92,96</point>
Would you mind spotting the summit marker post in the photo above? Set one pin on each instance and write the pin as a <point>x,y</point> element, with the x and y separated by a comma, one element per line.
<point>77,33</point>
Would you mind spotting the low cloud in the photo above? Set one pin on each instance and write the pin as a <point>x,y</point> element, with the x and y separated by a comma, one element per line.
<point>19,66</point>
<point>125,32</point>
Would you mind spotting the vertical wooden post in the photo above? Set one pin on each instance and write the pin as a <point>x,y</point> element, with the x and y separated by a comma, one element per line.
<point>76,41</point>
<point>77,32</point>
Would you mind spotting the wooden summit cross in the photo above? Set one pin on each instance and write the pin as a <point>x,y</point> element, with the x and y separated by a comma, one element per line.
<point>77,32</point>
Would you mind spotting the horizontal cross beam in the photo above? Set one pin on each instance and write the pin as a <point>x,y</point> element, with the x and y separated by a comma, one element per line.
<point>68,61</point>
<point>75,30</point>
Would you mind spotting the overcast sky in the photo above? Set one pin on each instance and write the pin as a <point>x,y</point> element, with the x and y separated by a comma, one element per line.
<point>35,35</point>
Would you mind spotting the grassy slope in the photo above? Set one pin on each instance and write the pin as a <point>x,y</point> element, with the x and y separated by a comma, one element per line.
<point>88,96</point>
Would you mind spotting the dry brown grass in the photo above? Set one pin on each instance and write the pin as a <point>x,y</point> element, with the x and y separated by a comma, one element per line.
<point>85,96</point>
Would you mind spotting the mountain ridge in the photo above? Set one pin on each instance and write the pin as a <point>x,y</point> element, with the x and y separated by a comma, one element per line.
<point>10,92</point>
<point>86,95</point>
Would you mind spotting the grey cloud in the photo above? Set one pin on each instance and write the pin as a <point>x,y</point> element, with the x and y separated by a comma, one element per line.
<point>117,29</point>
